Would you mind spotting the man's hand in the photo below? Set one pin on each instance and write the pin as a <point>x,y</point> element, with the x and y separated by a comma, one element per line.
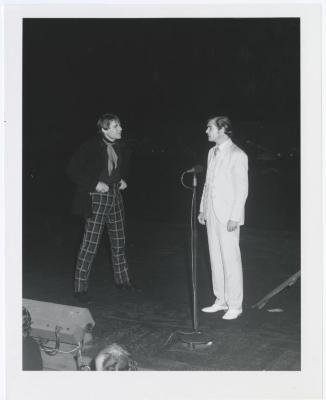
<point>232,225</point>
<point>122,185</point>
<point>102,187</point>
<point>201,218</point>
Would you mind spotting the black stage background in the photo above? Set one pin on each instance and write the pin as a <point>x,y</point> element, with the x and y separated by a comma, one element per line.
<point>164,78</point>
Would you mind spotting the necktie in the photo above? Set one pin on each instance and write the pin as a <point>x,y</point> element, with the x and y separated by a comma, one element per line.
<point>216,150</point>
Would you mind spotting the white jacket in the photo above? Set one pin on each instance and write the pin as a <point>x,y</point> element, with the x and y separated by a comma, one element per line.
<point>226,183</point>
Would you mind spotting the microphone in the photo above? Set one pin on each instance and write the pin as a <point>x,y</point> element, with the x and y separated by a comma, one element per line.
<point>197,169</point>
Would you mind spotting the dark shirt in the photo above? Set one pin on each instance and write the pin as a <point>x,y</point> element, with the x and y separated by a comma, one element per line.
<point>88,166</point>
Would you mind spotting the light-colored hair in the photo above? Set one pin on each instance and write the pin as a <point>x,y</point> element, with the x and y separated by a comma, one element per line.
<point>114,358</point>
<point>105,120</point>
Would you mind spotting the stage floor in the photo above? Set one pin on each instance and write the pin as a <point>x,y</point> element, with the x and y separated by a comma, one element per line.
<point>159,261</point>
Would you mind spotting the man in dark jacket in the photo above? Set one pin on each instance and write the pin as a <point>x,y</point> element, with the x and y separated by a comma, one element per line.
<point>98,171</point>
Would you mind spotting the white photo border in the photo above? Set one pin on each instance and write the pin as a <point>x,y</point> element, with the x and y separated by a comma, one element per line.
<point>306,383</point>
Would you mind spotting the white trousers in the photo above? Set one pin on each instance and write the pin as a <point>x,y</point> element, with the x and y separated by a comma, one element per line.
<point>226,263</point>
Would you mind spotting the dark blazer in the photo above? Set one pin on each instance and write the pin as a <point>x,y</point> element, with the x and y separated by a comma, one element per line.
<point>84,169</point>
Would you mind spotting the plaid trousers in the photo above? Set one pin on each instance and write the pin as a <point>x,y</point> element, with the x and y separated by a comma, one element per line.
<point>107,209</point>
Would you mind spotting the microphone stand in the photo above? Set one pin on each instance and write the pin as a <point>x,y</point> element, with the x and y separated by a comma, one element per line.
<point>195,339</point>
<point>194,253</point>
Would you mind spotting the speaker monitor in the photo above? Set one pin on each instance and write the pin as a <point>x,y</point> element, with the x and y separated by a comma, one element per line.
<point>73,324</point>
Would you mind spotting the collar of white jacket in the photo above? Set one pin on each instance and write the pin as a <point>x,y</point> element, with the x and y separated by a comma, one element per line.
<point>224,145</point>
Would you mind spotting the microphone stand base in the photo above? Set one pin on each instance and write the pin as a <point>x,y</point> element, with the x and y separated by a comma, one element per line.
<point>194,340</point>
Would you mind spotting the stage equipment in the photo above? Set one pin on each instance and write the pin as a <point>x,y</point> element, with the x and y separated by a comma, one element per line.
<point>61,331</point>
<point>289,282</point>
<point>195,339</point>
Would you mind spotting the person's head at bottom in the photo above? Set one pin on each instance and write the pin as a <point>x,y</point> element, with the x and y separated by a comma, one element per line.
<point>114,358</point>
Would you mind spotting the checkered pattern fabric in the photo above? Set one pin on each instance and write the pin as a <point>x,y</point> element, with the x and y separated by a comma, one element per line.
<point>107,210</point>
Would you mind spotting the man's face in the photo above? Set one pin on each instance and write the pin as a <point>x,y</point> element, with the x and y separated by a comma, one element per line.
<point>212,131</point>
<point>113,132</point>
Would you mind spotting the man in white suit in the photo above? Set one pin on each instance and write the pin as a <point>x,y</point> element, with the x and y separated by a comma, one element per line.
<point>222,210</point>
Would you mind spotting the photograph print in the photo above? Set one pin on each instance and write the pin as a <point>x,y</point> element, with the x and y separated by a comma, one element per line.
<point>161,194</point>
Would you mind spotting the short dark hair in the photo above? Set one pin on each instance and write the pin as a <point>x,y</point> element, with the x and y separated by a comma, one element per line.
<point>105,120</point>
<point>223,122</point>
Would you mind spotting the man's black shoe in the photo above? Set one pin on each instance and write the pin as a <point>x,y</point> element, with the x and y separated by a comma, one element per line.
<point>83,297</point>
<point>127,286</point>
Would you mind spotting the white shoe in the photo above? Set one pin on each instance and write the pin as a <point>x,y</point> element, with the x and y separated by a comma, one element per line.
<point>214,308</point>
<point>232,314</point>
